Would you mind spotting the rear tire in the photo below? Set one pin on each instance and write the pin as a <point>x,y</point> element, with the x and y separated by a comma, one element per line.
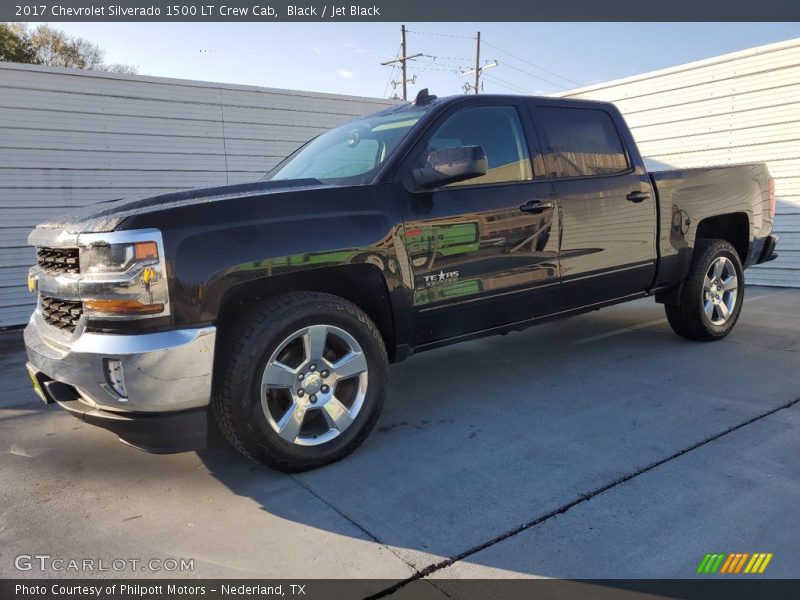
<point>301,380</point>
<point>711,298</point>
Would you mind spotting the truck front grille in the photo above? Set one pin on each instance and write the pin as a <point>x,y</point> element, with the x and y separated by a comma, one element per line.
<point>63,314</point>
<point>58,260</point>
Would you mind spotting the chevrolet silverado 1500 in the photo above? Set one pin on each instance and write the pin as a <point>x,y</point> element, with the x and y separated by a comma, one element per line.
<point>277,305</point>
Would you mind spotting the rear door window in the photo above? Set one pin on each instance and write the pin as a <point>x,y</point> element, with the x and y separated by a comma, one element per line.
<point>581,142</point>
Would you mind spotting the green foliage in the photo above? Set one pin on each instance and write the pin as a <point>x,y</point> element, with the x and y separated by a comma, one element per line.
<point>15,45</point>
<point>56,49</point>
<point>51,47</point>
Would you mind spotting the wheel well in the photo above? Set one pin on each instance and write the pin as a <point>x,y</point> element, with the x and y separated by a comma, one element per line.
<point>362,284</point>
<point>733,228</point>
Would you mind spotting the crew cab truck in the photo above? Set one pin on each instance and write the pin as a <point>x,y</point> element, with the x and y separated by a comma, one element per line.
<point>277,305</point>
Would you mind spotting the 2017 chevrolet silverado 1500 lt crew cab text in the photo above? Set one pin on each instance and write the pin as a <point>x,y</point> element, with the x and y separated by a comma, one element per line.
<point>277,305</point>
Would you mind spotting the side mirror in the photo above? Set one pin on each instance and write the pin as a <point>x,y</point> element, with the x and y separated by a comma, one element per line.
<point>450,165</point>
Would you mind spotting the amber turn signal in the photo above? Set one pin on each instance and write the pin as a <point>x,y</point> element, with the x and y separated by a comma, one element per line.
<point>146,250</point>
<point>122,307</point>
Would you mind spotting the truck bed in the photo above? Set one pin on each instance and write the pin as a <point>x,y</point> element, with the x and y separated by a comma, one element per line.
<point>687,196</point>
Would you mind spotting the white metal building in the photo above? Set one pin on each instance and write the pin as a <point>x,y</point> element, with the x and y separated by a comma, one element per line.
<point>70,137</point>
<point>737,107</point>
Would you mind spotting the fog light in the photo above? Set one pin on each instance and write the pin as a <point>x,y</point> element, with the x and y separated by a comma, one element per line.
<point>115,377</point>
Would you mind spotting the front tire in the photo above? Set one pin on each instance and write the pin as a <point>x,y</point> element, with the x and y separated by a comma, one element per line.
<point>302,381</point>
<point>710,300</point>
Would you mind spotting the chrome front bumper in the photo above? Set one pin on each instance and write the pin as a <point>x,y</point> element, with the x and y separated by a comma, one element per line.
<point>163,372</point>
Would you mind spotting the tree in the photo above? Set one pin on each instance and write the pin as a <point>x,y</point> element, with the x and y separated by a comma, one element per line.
<point>15,46</point>
<point>54,48</point>
<point>118,68</point>
<point>48,46</point>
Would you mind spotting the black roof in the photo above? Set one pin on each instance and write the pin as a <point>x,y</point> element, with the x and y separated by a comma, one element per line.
<point>479,99</point>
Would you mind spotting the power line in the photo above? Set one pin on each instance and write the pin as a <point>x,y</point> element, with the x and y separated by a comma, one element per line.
<point>451,58</point>
<point>402,59</point>
<point>485,62</point>
<point>440,63</point>
<point>445,35</point>
<point>561,85</point>
<point>523,60</point>
<point>427,64</point>
<point>503,83</point>
<point>391,78</point>
<point>430,61</point>
<point>477,69</point>
<point>431,65</point>
<point>506,84</point>
<point>427,67</point>
<point>527,62</point>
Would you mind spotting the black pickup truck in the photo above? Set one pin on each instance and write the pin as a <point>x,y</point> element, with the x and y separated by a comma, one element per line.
<point>277,305</point>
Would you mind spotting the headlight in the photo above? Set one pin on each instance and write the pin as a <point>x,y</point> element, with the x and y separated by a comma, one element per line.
<point>118,258</point>
<point>122,274</point>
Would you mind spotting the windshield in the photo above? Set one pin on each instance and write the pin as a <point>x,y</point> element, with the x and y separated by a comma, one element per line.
<point>350,154</point>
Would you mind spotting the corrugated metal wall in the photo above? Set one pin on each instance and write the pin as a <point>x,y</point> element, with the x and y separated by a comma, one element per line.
<point>69,138</point>
<point>737,107</point>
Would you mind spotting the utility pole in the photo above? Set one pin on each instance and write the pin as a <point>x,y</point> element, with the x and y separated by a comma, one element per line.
<point>403,54</point>
<point>478,70</point>
<point>402,59</point>
<point>477,61</point>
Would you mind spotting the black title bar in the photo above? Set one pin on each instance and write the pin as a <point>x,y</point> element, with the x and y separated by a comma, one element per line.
<point>402,10</point>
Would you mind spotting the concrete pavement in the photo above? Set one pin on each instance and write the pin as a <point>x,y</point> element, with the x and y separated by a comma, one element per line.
<point>600,446</point>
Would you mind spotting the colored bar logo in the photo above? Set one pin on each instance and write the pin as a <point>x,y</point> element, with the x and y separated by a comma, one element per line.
<point>734,562</point>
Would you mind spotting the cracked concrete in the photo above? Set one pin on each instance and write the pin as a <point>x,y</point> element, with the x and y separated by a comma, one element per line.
<point>622,440</point>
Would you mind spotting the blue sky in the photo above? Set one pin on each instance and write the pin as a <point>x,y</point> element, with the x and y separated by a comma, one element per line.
<point>345,57</point>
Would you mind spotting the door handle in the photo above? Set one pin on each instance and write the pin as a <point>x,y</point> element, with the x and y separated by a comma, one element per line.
<point>536,206</point>
<point>637,196</point>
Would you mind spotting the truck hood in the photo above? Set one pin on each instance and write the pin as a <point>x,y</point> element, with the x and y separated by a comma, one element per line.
<point>108,215</point>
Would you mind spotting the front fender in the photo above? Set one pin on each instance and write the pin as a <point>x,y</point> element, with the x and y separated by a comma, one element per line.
<point>216,247</point>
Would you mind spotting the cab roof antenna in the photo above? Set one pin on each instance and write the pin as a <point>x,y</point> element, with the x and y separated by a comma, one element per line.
<point>423,97</point>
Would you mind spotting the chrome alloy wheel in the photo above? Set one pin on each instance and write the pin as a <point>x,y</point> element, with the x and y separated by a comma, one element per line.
<point>313,386</point>
<point>720,288</point>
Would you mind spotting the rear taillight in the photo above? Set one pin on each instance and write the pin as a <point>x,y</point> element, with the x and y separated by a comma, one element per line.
<point>771,198</point>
